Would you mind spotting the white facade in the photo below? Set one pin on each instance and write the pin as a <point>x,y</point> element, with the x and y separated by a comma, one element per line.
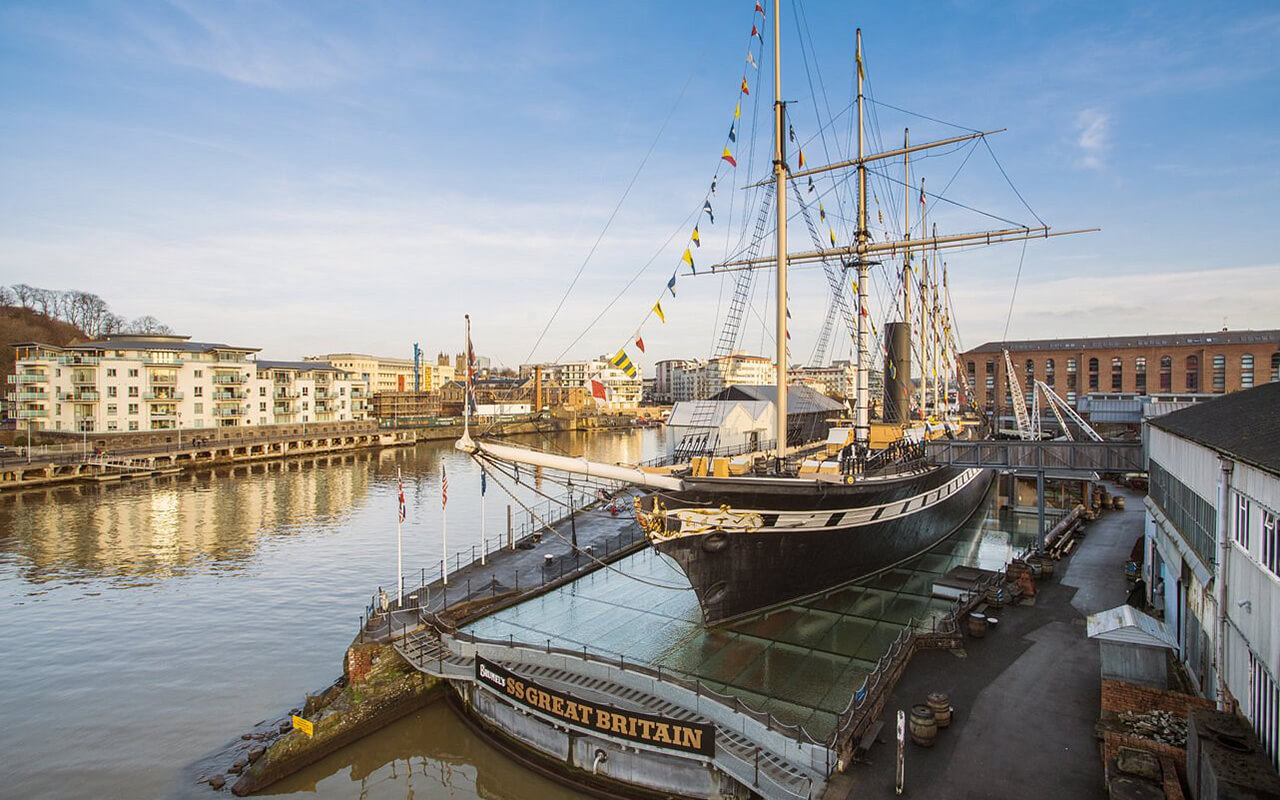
<point>682,380</point>
<point>1185,523</point>
<point>838,380</point>
<point>145,383</point>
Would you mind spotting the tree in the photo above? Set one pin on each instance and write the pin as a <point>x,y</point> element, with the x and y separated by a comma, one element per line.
<point>149,325</point>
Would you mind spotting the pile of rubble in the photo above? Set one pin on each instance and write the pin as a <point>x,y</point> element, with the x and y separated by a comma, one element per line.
<point>1160,726</point>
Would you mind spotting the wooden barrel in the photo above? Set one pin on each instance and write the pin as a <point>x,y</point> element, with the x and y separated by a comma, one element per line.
<point>996,597</point>
<point>1118,503</point>
<point>977,624</point>
<point>1037,568</point>
<point>940,704</point>
<point>924,728</point>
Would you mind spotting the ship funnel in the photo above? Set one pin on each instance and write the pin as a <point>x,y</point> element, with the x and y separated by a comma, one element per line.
<point>897,372</point>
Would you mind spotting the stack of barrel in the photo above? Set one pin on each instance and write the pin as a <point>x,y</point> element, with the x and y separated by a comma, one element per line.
<point>928,717</point>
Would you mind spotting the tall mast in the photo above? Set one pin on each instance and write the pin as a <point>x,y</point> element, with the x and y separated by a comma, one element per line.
<point>926,353</point>
<point>862,418</point>
<point>907,274</point>
<point>939,351</point>
<point>780,198</point>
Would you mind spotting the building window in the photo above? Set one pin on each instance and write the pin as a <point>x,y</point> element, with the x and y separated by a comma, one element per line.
<point>991,366</point>
<point>262,407</point>
<point>133,408</point>
<point>1219,373</point>
<point>111,391</point>
<point>1240,529</point>
<point>1071,398</point>
<point>133,424</point>
<point>307,389</point>
<point>1071,366</point>
<point>1246,371</point>
<point>1191,515</point>
<point>199,408</point>
<point>973,367</point>
<point>111,373</point>
<point>1093,374</point>
<point>133,373</point>
<point>1117,374</point>
<point>112,409</point>
<point>262,391</point>
<point>1140,374</point>
<point>197,391</point>
<point>1048,371</point>
<point>1193,374</point>
<point>1271,542</point>
<point>1275,367</point>
<point>1264,708</point>
<point>1031,366</point>
<point>199,373</point>
<point>133,391</point>
<point>1166,373</point>
<point>112,426</point>
<point>262,420</point>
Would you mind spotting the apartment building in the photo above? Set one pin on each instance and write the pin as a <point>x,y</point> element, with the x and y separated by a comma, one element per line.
<point>383,374</point>
<point>1196,363</point>
<point>622,391</point>
<point>132,382</point>
<point>1213,548</point>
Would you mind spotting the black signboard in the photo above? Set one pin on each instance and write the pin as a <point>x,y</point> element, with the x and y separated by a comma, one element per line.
<point>648,729</point>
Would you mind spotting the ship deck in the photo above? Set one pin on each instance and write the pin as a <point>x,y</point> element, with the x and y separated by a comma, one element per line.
<point>801,661</point>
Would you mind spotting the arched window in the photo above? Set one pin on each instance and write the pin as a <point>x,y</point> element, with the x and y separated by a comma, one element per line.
<point>1246,371</point>
<point>1275,367</point>
<point>1140,374</point>
<point>1193,374</point>
<point>1166,373</point>
<point>1117,374</point>
<point>1219,373</point>
<point>1048,371</point>
<point>1093,374</point>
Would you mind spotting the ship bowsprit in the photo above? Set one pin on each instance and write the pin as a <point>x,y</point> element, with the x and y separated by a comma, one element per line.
<point>745,546</point>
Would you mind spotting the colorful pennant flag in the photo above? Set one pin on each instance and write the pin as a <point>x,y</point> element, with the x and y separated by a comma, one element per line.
<point>737,110</point>
<point>756,32</point>
<point>640,343</point>
<point>623,363</point>
<point>688,259</point>
<point>727,156</point>
<point>697,240</point>
<point>833,236</point>
<point>657,309</point>
<point>671,285</point>
<point>822,212</point>
<point>791,132</point>
<point>706,206</point>
<point>811,186</point>
<point>598,390</point>
<point>402,508</point>
<point>733,132</point>
<point>745,89</point>
<point>761,10</point>
<point>801,159</point>
<point>752,60</point>
<point>713,185</point>
<point>484,483</point>
<point>922,201</point>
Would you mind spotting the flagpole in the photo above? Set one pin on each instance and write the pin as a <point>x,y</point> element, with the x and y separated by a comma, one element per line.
<point>466,400</point>
<point>444,531</point>
<point>482,516</point>
<point>399,541</point>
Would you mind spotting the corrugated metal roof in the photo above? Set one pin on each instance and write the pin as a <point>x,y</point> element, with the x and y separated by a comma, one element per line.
<point>1127,625</point>
<point>1115,342</point>
<point>1244,425</point>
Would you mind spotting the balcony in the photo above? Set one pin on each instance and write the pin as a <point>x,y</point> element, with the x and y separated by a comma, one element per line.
<point>32,413</point>
<point>228,394</point>
<point>80,396</point>
<point>162,379</point>
<point>282,409</point>
<point>21,396</point>
<point>228,412</point>
<point>229,380</point>
<point>285,394</point>
<point>73,360</point>
<point>29,377</point>
<point>163,395</point>
<point>84,379</point>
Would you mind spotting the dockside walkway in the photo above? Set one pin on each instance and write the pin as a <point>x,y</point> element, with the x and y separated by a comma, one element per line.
<point>1026,697</point>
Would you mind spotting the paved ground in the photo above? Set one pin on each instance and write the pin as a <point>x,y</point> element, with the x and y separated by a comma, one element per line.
<point>1026,696</point>
<point>527,568</point>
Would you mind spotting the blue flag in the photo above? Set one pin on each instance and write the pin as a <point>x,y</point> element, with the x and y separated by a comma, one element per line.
<point>733,133</point>
<point>483,482</point>
<point>707,208</point>
<point>671,285</point>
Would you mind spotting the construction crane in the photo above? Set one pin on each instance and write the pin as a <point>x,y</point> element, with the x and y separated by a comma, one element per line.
<point>1019,400</point>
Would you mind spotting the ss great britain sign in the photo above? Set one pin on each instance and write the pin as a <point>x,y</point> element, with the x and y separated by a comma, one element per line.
<point>646,729</point>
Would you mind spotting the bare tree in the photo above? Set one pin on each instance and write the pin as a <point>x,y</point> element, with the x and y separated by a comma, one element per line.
<point>24,295</point>
<point>7,297</point>
<point>149,325</point>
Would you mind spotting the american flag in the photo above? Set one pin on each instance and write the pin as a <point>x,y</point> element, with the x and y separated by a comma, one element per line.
<point>402,509</point>
<point>444,487</point>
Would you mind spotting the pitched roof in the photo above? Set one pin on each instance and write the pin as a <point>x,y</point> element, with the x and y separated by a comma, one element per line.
<point>301,366</point>
<point>801,399</point>
<point>1271,337</point>
<point>1244,425</point>
<point>1129,625</point>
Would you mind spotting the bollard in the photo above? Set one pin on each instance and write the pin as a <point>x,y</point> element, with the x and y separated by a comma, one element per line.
<point>902,745</point>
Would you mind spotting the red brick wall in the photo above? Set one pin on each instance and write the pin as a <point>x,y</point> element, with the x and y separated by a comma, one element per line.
<point>1119,696</point>
<point>359,662</point>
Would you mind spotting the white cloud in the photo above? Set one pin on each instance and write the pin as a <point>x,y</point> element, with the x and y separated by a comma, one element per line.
<point>1094,137</point>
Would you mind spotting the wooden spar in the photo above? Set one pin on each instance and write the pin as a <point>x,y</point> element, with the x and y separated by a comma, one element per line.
<point>575,466</point>
<point>780,200</point>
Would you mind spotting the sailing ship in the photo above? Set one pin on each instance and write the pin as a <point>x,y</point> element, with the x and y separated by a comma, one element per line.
<point>805,517</point>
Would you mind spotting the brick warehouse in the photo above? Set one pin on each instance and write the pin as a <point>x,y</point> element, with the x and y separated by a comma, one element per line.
<point>1177,363</point>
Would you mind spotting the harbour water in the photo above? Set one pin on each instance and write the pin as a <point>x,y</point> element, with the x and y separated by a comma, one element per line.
<point>147,624</point>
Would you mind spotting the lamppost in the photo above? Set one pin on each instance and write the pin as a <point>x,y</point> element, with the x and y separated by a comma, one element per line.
<point>179,430</point>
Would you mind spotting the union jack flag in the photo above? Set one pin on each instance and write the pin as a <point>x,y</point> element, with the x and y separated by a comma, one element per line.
<point>402,508</point>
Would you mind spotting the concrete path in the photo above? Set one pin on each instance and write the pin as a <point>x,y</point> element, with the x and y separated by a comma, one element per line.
<point>525,568</point>
<point>1026,697</point>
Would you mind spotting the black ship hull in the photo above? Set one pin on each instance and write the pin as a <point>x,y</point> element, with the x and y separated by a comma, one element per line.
<point>748,544</point>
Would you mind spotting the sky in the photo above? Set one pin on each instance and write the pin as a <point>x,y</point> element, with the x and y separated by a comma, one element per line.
<point>313,177</point>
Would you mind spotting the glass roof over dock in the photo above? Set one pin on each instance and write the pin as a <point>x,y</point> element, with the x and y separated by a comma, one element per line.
<point>801,661</point>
